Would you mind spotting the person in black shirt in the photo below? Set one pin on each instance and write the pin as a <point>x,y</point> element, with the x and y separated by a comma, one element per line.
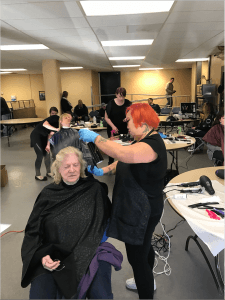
<point>39,138</point>
<point>156,107</point>
<point>66,106</point>
<point>5,115</point>
<point>137,202</point>
<point>115,114</point>
<point>81,112</point>
<point>203,127</point>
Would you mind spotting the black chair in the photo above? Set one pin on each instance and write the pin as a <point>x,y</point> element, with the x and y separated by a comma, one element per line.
<point>176,110</point>
<point>165,111</point>
<point>94,113</point>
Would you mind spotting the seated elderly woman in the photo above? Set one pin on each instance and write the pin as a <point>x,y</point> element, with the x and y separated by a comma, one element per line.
<point>215,137</point>
<point>64,251</point>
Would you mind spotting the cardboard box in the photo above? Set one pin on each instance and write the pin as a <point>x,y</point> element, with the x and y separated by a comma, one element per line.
<point>4,176</point>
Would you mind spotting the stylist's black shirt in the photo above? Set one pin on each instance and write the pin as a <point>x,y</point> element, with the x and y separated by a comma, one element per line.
<point>117,113</point>
<point>150,176</point>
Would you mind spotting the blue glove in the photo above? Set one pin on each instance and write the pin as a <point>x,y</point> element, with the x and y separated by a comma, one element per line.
<point>94,170</point>
<point>162,135</point>
<point>87,135</point>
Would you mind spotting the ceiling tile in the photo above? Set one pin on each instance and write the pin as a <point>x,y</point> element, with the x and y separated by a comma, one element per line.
<point>42,10</point>
<point>139,19</point>
<point>60,32</point>
<point>127,51</point>
<point>196,17</point>
<point>190,27</point>
<point>198,5</point>
<point>42,24</point>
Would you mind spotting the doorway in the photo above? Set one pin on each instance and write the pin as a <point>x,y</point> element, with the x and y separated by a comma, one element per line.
<point>109,82</point>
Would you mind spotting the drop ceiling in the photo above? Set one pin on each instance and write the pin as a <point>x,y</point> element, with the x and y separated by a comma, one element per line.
<point>191,29</point>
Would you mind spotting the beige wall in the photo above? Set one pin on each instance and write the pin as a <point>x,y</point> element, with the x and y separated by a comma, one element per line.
<point>25,87</point>
<point>154,83</point>
<point>205,71</point>
<point>215,72</point>
<point>193,82</point>
<point>78,84</point>
<point>95,87</point>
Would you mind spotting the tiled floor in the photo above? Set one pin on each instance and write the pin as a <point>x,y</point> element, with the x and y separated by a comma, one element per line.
<point>190,277</point>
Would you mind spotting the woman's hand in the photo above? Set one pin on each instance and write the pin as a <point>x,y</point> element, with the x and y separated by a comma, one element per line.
<point>193,127</point>
<point>96,171</point>
<point>47,148</point>
<point>49,264</point>
<point>115,129</point>
<point>87,135</point>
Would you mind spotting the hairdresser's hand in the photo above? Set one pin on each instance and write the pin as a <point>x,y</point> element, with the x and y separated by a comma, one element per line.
<point>87,135</point>
<point>47,148</point>
<point>115,129</point>
<point>49,264</point>
<point>94,170</point>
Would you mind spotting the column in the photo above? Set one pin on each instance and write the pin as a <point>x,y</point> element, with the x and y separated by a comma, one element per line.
<point>52,83</point>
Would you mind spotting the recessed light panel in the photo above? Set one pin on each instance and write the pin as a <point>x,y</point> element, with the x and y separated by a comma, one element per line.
<point>192,59</point>
<point>24,47</point>
<point>126,43</point>
<point>12,70</point>
<point>5,72</point>
<point>70,68</point>
<point>126,58</point>
<point>107,8</point>
<point>126,66</point>
<point>150,69</point>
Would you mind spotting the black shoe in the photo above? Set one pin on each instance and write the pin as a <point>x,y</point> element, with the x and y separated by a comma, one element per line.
<point>44,178</point>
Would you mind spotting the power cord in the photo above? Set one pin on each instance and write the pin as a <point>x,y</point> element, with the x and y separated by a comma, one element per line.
<point>162,242</point>
<point>167,268</point>
<point>12,231</point>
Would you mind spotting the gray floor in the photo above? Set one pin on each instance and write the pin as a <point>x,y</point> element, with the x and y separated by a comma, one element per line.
<point>190,277</point>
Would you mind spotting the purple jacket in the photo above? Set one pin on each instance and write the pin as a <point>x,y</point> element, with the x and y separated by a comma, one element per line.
<point>106,252</point>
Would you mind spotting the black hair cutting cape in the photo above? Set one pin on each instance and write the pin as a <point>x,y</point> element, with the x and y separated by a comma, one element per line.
<point>67,223</point>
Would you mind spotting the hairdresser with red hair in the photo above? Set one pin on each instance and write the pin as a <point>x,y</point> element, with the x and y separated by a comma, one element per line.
<point>137,202</point>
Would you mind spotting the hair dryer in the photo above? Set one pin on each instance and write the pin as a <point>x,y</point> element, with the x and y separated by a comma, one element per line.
<point>207,184</point>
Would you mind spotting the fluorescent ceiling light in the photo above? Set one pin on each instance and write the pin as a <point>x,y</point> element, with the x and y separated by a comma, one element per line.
<point>24,47</point>
<point>192,59</point>
<point>107,8</point>
<point>126,66</point>
<point>127,58</point>
<point>5,72</point>
<point>150,68</point>
<point>12,70</point>
<point>70,68</point>
<point>127,43</point>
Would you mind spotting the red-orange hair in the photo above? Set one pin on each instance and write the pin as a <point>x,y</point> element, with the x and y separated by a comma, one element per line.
<point>142,113</point>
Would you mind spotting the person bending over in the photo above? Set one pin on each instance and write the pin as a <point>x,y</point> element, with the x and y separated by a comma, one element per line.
<point>81,112</point>
<point>137,202</point>
<point>64,252</point>
<point>38,140</point>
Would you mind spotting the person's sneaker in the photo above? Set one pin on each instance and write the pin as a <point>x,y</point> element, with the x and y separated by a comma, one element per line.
<point>130,284</point>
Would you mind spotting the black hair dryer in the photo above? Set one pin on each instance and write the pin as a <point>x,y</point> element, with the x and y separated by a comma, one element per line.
<point>207,184</point>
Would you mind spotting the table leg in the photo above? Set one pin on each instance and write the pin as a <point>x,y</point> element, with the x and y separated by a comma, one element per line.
<point>206,259</point>
<point>8,129</point>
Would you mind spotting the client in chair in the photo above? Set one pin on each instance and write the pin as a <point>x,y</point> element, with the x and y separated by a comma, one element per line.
<point>65,254</point>
<point>215,136</point>
<point>206,123</point>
